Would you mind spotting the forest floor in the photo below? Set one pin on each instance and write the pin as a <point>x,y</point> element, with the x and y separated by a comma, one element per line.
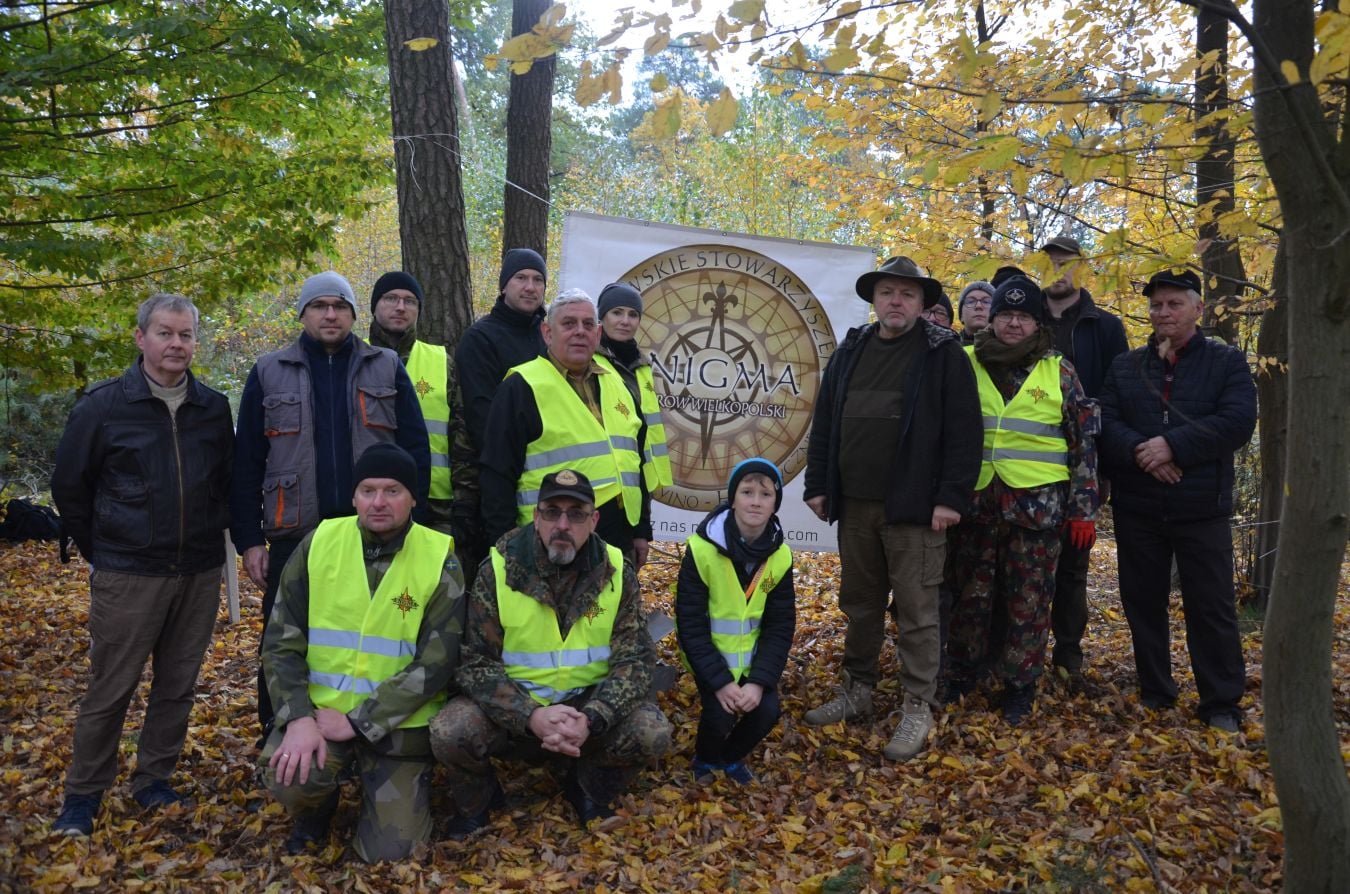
<point>1092,793</point>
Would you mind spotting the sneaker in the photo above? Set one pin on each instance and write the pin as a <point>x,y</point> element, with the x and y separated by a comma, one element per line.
<point>738,772</point>
<point>1225,722</point>
<point>158,794</point>
<point>1017,701</point>
<point>311,828</point>
<point>703,770</point>
<point>912,733</point>
<point>851,700</point>
<point>77,814</point>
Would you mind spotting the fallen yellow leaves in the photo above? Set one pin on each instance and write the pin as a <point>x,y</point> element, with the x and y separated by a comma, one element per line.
<point>1093,794</point>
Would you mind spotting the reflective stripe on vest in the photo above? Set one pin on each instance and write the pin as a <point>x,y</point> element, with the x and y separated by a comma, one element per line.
<point>426,368</point>
<point>550,668</point>
<point>734,617</point>
<point>1023,439</point>
<point>356,640</point>
<point>656,458</point>
<point>572,438</point>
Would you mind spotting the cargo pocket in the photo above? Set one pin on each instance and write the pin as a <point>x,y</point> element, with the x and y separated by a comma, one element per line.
<point>281,503</point>
<point>934,556</point>
<point>281,414</point>
<point>122,514</point>
<point>377,406</point>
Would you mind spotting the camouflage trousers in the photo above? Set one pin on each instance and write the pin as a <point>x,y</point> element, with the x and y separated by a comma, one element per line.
<point>1014,566</point>
<point>395,790</point>
<point>465,740</point>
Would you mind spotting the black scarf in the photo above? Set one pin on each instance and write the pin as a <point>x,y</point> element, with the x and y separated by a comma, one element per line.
<point>626,353</point>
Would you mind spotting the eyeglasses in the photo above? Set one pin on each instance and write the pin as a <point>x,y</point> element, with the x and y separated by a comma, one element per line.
<point>399,300</point>
<point>979,302</point>
<point>324,307</point>
<point>574,515</point>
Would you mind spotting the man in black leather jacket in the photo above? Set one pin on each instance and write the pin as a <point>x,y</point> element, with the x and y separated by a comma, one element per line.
<point>141,479</point>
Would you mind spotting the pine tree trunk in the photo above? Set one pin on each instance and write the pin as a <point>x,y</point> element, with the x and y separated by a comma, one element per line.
<point>529,142</point>
<point>432,229</point>
<point>1309,169</point>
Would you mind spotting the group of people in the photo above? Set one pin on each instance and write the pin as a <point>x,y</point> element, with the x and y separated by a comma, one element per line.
<point>448,545</point>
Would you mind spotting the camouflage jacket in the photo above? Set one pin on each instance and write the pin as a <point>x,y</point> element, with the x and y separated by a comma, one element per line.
<point>572,591</point>
<point>286,643</point>
<point>1047,507</point>
<point>463,458</point>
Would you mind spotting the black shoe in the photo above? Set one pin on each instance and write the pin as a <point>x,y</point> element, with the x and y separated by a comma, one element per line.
<point>956,689</point>
<point>1157,702</point>
<point>1225,722</point>
<point>77,814</point>
<point>586,808</point>
<point>461,827</point>
<point>312,828</point>
<point>1017,701</point>
<point>158,794</point>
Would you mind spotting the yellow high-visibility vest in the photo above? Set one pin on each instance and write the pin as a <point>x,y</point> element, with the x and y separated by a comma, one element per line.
<point>550,667</point>
<point>656,457</point>
<point>356,640</point>
<point>735,614</point>
<point>1024,437</point>
<point>571,438</point>
<point>426,369</point>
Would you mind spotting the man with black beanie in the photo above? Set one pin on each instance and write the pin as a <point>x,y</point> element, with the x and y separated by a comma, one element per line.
<point>452,507</point>
<point>508,336</point>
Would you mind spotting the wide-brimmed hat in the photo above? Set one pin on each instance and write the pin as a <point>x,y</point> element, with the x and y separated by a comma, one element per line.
<point>1182,279</point>
<point>902,268</point>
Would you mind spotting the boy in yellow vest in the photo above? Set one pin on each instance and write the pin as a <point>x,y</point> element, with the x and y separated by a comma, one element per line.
<point>357,654</point>
<point>735,611</point>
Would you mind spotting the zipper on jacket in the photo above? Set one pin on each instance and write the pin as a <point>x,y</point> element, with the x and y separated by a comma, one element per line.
<point>182,509</point>
<point>332,442</point>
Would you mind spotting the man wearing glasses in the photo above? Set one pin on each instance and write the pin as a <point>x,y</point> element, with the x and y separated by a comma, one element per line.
<point>307,413</point>
<point>555,666</point>
<point>395,306</point>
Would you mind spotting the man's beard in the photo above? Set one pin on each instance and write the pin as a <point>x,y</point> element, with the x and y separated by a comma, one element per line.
<point>1061,289</point>
<point>561,551</point>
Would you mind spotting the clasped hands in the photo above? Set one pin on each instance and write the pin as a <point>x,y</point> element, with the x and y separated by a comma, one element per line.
<point>737,699</point>
<point>305,744</point>
<point>560,728</point>
<point>1154,456</point>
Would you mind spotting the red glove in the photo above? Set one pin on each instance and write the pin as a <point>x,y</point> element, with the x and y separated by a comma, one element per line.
<point>1082,532</point>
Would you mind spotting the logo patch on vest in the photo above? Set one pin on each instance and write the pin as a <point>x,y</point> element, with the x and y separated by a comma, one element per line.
<point>767,582</point>
<point>404,602</point>
<point>623,408</point>
<point>423,387</point>
<point>1038,394</point>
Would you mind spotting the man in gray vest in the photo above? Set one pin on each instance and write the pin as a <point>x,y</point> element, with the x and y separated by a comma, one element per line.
<point>307,412</point>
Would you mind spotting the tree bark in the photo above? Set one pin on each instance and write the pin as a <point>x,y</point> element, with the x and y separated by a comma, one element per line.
<point>529,142</point>
<point>1309,170</point>
<point>1272,390</point>
<point>1214,178</point>
<point>432,229</point>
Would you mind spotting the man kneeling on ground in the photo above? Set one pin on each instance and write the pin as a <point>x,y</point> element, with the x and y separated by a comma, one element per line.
<point>556,665</point>
<point>358,653</point>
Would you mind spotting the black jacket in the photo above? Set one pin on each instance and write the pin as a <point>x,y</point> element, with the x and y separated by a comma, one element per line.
<point>694,627</point>
<point>141,492</point>
<point>487,349</point>
<point>937,459</point>
<point>1210,414</point>
<point>1098,338</point>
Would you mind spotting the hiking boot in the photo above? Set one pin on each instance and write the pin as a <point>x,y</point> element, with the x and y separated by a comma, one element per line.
<point>158,794</point>
<point>850,700</point>
<point>739,773</point>
<point>77,814</point>
<point>955,689</point>
<point>463,826</point>
<point>586,807</point>
<point>1017,701</point>
<point>311,827</point>
<point>912,734</point>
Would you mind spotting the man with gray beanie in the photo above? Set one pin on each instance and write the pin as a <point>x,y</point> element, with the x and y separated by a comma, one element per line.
<point>307,412</point>
<point>508,336</point>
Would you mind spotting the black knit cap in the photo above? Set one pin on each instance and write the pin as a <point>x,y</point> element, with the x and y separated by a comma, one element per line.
<point>618,294</point>
<point>1018,293</point>
<point>756,465</point>
<point>387,461</point>
<point>1004,273</point>
<point>395,279</point>
<point>518,259</point>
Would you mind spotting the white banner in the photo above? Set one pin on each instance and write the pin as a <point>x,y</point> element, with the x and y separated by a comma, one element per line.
<point>738,330</point>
